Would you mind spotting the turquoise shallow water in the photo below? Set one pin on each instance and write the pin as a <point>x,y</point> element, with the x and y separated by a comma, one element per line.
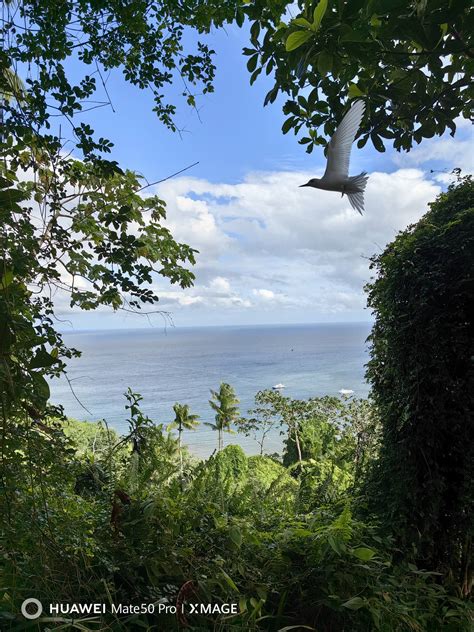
<point>182,364</point>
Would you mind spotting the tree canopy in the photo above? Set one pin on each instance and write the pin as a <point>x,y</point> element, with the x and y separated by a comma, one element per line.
<point>145,40</point>
<point>411,62</point>
<point>224,403</point>
<point>72,221</point>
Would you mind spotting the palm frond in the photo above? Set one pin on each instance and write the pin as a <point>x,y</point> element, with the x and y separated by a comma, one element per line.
<point>11,86</point>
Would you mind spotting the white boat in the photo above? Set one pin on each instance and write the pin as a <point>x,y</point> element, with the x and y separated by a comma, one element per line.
<point>277,387</point>
<point>346,391</point>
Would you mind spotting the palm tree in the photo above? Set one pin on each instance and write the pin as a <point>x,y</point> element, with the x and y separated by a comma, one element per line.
<point>183,420</point>
<point>11,86</point>
<point>225,403</point>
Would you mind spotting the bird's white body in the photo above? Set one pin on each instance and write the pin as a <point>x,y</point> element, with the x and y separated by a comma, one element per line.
<point>336,177</point>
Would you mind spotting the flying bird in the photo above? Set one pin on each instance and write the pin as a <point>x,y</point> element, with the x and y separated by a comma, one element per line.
<point>336,177</point>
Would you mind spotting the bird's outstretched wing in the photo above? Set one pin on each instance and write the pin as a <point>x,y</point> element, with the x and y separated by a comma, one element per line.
<point>339,150</point>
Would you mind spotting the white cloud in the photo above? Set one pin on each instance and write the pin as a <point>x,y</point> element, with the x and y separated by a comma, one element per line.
<point>271,297</point>
<point>218,293</point>
<point>271,250</point>
<point>220,284</point>
<point>443,154</point>
<point>265,242</point>
<point>267,295</point>
<point>191,221</point>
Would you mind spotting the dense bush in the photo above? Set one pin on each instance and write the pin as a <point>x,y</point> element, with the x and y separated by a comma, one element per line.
<point>120,526</point>
<point>422,372</point>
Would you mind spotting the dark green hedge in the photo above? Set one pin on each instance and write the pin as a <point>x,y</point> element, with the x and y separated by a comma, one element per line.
<point>422,372</point>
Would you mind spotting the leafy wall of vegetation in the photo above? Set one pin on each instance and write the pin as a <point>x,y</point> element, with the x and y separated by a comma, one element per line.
<point>422,373</point>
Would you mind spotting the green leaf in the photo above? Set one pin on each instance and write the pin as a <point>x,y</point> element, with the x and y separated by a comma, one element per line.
<point>42,359</point>
<point>354,91</point>
<point>271,96</point>
<point>318,14</point>
<point>313,98</point>
<point>235,535</point>
<point>364,553</point>
<point>229,581</point>
<point>5,183</point>
<point>11,196</point>
<point>362,141</point>
<point>301,533</point>
<point>354,604</point>
<point>302,22</point>
<point>297,39</point>
<point>324,62</point>
<point>6,280</point>
<point>254,75</point>
<point>255,31</point>
<point>377,142</point>
<point>353,36</point>
<point>287,125</point>
<point>252,63</point>
<point>375,21</point>
<point>41,387</point>
<point>335,545</point>
<point>387,6</point>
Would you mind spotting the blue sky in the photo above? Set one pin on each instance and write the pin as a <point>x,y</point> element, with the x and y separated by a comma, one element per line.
<point>236,134</point>
<point>269,252</point>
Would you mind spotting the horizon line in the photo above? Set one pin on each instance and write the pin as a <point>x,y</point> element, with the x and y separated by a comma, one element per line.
<point>173,326</point>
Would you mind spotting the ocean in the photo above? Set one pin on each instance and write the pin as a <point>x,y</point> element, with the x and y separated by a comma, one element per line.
<point>182,365</point>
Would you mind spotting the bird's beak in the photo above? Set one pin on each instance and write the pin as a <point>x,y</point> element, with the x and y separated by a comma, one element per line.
<point>304,185</point>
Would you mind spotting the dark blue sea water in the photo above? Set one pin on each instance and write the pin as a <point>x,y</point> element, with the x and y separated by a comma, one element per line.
<point>183,364</point>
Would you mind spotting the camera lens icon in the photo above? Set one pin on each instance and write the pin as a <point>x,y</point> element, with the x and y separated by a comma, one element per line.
<point>31,608</point>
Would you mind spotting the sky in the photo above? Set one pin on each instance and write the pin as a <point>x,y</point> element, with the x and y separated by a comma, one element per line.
<point>269,252</point>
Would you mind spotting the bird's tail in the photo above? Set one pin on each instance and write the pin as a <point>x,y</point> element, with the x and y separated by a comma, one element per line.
<point>355,191</point>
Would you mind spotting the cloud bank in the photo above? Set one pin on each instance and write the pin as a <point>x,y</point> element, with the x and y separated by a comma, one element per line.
<point>267,246</point>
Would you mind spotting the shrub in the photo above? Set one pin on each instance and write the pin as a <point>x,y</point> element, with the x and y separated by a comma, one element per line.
<point>422,373</point>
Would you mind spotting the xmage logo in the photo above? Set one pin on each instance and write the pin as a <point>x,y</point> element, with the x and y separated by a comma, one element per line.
<point>209,608</point>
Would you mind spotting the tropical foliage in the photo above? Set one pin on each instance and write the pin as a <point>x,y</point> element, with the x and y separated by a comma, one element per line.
<point>411,62</point>
<point>122,528</point>
<point>225,404</point>
<point>422,374</point>
<point>184,420</point>
<point>300,541</point>
<point>264,418</point>
<point>362,523</point>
